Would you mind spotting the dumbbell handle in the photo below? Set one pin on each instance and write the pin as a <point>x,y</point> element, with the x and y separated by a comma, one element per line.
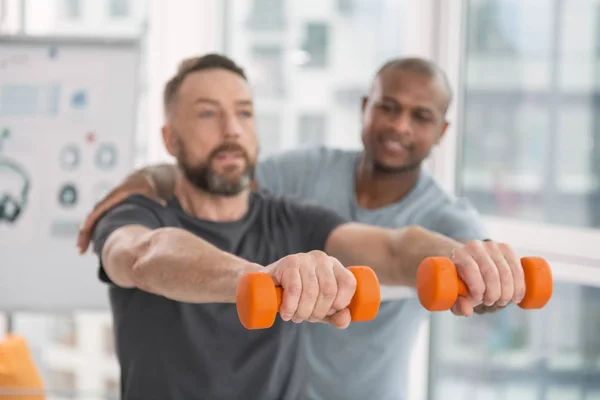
<point>259,300</point>
<point>361,274</point>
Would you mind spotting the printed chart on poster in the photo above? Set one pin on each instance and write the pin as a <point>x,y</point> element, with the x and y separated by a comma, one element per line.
<point>67,123</point>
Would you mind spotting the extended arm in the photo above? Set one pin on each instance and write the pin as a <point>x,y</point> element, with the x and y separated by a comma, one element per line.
<point>172,263</point>
<point>491,271</point>
<point>394,254</point>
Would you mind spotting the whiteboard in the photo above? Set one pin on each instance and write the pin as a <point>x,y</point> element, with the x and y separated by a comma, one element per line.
<point>67,127</point>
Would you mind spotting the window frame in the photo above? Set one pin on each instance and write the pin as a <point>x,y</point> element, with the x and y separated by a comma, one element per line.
<point>559,243</point>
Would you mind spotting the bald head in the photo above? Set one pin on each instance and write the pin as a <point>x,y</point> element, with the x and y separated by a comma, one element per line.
<point>422,68</point>
<point>403,116</point>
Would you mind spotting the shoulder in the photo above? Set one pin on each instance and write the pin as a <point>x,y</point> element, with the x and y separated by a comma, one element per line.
<point>308,155</point>
<point>136,209</point>
<point>452,215</point>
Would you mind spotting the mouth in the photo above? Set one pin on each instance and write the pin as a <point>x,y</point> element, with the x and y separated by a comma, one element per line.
<point>229,155</point>
<point>392,145</point>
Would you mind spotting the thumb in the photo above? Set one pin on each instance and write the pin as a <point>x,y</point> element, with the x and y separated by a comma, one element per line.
<point>340,319</point>
<point>462,307</point>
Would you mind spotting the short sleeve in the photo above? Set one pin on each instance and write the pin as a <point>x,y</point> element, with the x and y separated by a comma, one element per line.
<point>461,221</point>
<point>128,213</point>
<point>290,173</point>
<point>315,225</point>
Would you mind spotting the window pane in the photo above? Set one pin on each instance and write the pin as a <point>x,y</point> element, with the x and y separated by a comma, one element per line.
<point>312,129</point>
<point>310,62</point>
<point>552,353</point>
<point>531,144</point>
<point>119,8</point>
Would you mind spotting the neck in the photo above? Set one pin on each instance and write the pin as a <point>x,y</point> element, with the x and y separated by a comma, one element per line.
<point>211,207</point>
<point>376,189</point>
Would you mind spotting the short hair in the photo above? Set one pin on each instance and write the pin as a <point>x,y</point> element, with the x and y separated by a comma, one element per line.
<point>422,67</point>
<point>195,64</point>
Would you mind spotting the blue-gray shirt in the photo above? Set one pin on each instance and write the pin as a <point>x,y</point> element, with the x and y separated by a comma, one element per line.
<point>367,360</point>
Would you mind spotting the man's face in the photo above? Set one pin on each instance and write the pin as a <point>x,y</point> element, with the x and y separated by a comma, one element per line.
<point>402,119</point>
<point>212,131</point>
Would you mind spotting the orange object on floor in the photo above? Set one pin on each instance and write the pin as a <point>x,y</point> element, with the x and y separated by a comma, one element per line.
<point>19,377</point>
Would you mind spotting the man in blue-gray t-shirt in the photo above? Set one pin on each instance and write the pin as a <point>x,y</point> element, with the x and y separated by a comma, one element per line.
<point>402,119</point>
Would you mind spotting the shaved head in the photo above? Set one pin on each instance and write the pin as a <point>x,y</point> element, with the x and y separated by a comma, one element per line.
<point>422,67</point>
<point>404,115</point>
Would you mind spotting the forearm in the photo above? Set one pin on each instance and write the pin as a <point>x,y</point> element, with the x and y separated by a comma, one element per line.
<point>410,246</point>
<point>162,177</point>
<point>178,265</point>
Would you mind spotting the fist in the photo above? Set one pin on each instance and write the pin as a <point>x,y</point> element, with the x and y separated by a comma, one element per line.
<point>492,273</point>
<point>316,288</point>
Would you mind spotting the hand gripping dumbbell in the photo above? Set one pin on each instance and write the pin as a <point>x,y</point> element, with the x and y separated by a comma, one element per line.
<point>439,286</point>
<point>258,299</point>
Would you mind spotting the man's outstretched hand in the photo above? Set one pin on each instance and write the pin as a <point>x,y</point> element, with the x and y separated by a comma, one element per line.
<point>133,184</point>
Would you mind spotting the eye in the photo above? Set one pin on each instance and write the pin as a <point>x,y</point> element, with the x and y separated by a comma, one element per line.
<point>422,117</point>
<point>207,114</point>
<point>246,114</point>
<point>387,108</point>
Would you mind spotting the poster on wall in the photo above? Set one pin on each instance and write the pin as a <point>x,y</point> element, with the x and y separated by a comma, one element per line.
<point>67,124</point>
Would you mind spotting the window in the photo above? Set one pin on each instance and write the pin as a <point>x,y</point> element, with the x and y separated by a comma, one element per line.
<point>266,70</point>
<point>316,44</point>
<point>72,9</point>
<point>67,365</point>
<point>551,353</point>
<point>119,8</point>
<point>531,148</point>
<point>312,129</point>
<point>269,132</point>
<point>322,58</point>
<point>265,15</point>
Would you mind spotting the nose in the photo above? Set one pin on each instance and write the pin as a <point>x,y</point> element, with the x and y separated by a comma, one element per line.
<point>402,124</point>
<point>233,128</point>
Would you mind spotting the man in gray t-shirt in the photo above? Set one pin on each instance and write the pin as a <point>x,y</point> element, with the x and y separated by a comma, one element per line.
<point>402,119</point>
<point>360,356</point>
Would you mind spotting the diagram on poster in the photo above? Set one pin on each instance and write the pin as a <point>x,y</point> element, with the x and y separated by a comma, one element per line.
<point>67,124</point>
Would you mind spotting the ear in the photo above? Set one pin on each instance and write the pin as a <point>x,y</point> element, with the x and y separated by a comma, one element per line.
<point>170,140</point>
<point>363,103</point>
<point>445,126</point>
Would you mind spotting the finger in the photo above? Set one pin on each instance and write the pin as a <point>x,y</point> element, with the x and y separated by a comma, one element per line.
<point>516,269</point>
<point>505,275</point>
<point>310,290</point>
<point>463,307</point>
<point>340,319</point>
<point>489,273</point>
<point>291,282</point>
<point>327,291</point>
<point>346,286</point>
<point>469,272</point>
<point>83,241</point>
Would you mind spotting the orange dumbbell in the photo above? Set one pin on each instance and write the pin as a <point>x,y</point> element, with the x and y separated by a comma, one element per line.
<point>439,286</point>
<point>258,299</point>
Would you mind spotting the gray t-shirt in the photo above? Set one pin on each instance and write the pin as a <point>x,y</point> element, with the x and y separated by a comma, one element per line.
<point>367,360</point>
<point>181,351</point>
